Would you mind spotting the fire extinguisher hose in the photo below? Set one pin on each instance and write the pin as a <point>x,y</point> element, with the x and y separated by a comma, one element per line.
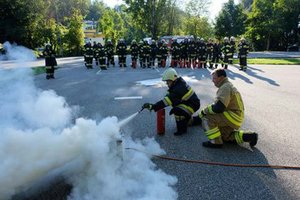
<point>221,163</point>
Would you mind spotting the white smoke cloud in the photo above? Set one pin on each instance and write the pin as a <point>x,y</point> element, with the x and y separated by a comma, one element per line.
<point>24,106</point>
<point>152,82</point>
<point>38,138</point>
<point>18,53</point>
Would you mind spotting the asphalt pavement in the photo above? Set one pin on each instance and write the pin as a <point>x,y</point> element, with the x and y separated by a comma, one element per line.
<point>271,96</point>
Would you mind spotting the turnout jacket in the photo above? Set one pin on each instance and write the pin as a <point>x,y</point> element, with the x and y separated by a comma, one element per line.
<point>179,95</point>
<point>233,106</point>
<point>109,49</point>
<point>243,50</point>
<point>50,59</point>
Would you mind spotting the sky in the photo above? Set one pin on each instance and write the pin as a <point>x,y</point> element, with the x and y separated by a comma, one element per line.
<point>214,9</point>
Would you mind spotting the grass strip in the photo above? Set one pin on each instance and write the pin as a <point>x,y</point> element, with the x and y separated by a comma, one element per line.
<point>271,61</point>
<point>38,70</point>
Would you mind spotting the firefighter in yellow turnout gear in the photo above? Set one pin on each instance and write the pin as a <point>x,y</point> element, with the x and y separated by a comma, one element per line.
<point>181,97</point>
<point>222,119</point>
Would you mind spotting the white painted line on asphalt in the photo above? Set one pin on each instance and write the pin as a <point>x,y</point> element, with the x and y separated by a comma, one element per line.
<point>156,69</point>
<point>98,72</point>
<point>124,98</point>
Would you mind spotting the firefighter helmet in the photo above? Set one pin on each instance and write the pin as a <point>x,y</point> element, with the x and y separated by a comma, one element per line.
<point>170,75</point>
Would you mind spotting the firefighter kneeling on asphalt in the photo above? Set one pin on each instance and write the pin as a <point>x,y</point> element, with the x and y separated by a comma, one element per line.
<point>181,97</point>
<point>222,119</point>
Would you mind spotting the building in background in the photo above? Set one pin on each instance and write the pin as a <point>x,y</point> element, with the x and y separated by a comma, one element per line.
<point>90,32</point>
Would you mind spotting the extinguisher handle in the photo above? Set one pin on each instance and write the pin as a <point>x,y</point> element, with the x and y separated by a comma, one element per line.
<point>147,106</point>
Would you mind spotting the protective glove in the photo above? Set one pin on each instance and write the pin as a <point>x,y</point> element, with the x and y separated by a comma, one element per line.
<point>202,114</point>
<point>148,106</point>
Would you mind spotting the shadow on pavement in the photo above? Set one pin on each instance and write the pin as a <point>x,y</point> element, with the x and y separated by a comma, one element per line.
<point>251,72</point>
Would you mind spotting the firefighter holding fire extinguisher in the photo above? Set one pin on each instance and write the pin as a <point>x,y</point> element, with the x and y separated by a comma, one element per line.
<point>181,97</point>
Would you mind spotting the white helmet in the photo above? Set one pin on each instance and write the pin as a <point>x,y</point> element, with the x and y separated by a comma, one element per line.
<point>170,74</point>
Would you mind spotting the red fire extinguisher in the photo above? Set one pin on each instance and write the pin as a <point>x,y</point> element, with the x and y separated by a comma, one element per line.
<point>160,116</point>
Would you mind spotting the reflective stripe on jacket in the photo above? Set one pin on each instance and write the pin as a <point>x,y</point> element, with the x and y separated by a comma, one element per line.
<point>233,102</point>
<point>180,95</point>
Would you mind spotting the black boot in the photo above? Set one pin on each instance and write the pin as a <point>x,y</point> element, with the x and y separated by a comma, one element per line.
<point>251,138</point>
<point>195,121</point>
<point>181,127</point>
<point>208,144</point>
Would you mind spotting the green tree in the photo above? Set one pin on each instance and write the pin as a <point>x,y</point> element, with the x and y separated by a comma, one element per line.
<point>172,22</point>
<point>95,11</point>
<point>230,21</point>
<point>261,25</point>
<point>131,30</point>
<point>247,4</point>
<point>150,15</point>
<point>50,34</point>
<point>62,10</point>
<point>196,21</point>
<point>198,27</point>
<point>112,25</point>
<point>198,8</point>
<point>286,13</point>
<point>19,20</point>
<point>74,38</point>
<point>179,22</point>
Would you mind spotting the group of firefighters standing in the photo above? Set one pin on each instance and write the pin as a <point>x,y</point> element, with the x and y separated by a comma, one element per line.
<point>190,53</point>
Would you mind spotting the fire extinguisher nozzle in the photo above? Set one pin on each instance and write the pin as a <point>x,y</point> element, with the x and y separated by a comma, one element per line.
<point>141,110</point>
